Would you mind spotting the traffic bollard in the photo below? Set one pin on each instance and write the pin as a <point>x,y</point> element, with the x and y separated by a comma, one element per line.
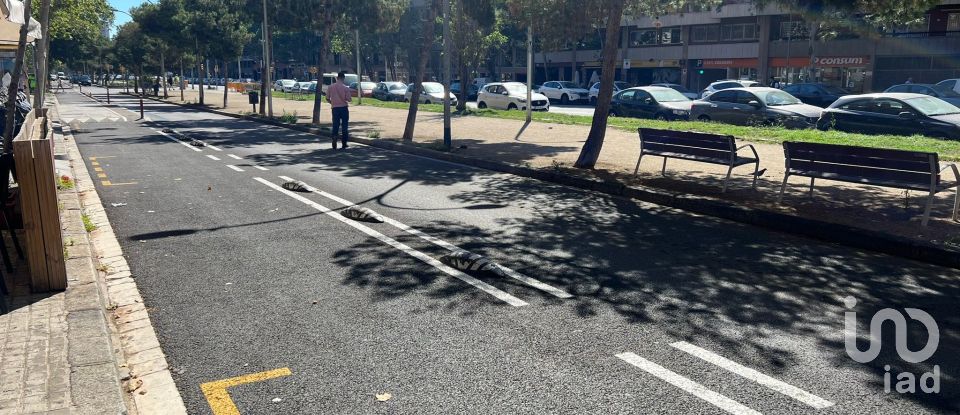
<point>141,106</point>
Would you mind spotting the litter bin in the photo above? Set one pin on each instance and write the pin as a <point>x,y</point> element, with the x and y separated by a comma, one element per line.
<point>253,98</point>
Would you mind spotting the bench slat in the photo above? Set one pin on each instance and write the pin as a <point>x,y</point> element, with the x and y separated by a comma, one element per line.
<point>692,139</point>
<point>882,153</point>
<point>861,160</point>
<point>867,174</point>
<point>651,148</point>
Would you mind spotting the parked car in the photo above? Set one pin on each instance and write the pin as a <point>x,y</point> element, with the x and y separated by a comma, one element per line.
<point>651,102</point>
<point>564,91</point>
<point>939,91</point>
<point>820,95</point>
<point>85,80</point>
<point>302,87</point>
<point>311,88</point>
<point>367,87</point>
<point>681,89</point>
<point>726,84</point>
<point>953,84</point>
<point>893,113</point>
<point>432,93</point>
<point>472,90</point>
<point>595,90</point>
<point>331,78</point>
<point>756,106</point>
<point>284,85</point>
<point>510,96</point>
<point>390,91</point>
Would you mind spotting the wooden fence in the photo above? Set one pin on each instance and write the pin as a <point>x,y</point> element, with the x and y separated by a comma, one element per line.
<point>36,176</point>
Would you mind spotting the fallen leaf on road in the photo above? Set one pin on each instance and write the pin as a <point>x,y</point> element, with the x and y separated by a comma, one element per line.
<point>134,385</point>
<point>383,397</point>
<point>150,211</point>
<point>314,302</point>
<point>275,400</point>
<point>209,188</point>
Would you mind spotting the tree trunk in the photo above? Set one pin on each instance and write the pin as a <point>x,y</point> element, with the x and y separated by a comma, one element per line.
<point>263,90</point>
<point>225,87</point>
<point>181,79</point>
<point>591,149</point>
<point>15,81</point>
<point>163,75</point>
<point>425,46</point>
<point>321,56</point>
<point>461,62</point>
<point>811,49</point>
<point>42,52</point>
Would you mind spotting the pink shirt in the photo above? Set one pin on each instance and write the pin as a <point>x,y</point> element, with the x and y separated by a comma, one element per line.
<point>338,95</point>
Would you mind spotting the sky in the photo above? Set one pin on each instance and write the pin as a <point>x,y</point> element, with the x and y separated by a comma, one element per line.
<point>125,5</point>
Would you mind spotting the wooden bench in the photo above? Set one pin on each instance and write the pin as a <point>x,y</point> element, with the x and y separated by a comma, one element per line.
<point>706,148</point>
<point>908,170</point>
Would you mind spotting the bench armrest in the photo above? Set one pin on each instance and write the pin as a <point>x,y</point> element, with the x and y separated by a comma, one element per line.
<point>752,148</point>
<point>956,171</point>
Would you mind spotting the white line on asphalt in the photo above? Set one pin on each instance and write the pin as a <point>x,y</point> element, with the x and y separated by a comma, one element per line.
<point>234,167</point>
<point>751,374</point>
<point>234,156</point>
<point>489,289</point>
<point>178,140</point>
<point>688,385</point>
<point>260,167</point>
<point>444,244</point>
<point>212,157</point>
<point>108,109</point>
<point>213,147</point>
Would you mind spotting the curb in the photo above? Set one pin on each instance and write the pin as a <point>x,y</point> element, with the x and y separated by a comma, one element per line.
<point>149,385</point>
<point>811,228</point>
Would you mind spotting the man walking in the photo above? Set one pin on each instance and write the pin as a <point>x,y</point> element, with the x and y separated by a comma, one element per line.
<point>338,95</point>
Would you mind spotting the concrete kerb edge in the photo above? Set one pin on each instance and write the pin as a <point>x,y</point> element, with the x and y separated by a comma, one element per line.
<point>152,391</point>
<point>810,228</point>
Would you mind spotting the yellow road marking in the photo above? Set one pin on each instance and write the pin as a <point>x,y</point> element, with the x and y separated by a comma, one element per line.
<point>108,183</point>
<point>98,169</point>
<point>95,164</point>
<point>219,398</point>
<point>101,175</point>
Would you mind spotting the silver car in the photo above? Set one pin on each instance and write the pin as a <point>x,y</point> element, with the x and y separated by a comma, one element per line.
<point>432,93</point>
<point>755,106</point>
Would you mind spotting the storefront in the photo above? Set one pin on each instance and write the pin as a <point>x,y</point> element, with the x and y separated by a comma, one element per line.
<point>705,71</point>
<point>848,72</point>
<point>652,71</point>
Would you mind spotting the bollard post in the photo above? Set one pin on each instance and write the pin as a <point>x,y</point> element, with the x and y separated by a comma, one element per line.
<point>141,105</point>
<point>108,94</point>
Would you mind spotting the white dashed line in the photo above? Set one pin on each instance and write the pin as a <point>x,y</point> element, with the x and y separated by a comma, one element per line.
<point>212,157</point>
<point>782,387</point>
<point>489,289</point>
<point>234,156</point>
<point>178,140</point>
<point>260,167</point>
<point>235,168</point>
<point>687,385</point>
<point>444,244</point>
<point>213,147</point>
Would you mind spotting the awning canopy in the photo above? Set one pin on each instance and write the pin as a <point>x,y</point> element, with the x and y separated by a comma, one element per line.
<point>12,19</point>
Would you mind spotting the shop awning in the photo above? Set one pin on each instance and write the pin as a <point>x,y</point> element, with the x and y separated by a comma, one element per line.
<point>12,19</point>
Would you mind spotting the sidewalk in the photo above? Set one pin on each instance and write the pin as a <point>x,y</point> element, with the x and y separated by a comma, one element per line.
<point>69,352</point>
<point>556,147</point>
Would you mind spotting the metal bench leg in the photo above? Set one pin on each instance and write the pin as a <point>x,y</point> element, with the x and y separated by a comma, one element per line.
<point>638,165</point>
<point>756,174</point>
<point>783,188</point>
<point>663,171</point>
<point>811,186</point>
<point>956,206</point>
<point>726,181</point>
<point>926,212</point>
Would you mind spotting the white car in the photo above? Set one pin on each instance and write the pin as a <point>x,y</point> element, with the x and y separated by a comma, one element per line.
<point>953,84</point>
<point>595,90</point>
<point>510,96</point>
<point>302,87</point>
<point>726,84</point>
<point>284,85</point>
<point>564,91</point>
<point>432,94</point>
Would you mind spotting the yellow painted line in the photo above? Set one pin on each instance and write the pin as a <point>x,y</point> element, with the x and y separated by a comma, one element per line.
<point>95,163</point>
<point>219,398</point>
<point>92,158</point>
<point>98,169</point>
<point>107,183</point>
<point>102,175</point>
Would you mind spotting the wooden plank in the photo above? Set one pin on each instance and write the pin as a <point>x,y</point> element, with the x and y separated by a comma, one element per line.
<point>50,215</point>
<point>30,206</point>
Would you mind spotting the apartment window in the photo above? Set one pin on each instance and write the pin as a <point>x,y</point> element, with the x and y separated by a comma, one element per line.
<point>737,32</point>
<point>953,22</point>
<point>670,36</point>
<point>643,37</point>
<point>705,34</point>
<point>793,30</point>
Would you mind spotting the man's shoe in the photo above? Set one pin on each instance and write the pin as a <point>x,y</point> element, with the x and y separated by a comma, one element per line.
<point>334,145</point>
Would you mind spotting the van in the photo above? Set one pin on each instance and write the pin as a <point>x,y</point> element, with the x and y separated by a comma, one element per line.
<point>331,78</point>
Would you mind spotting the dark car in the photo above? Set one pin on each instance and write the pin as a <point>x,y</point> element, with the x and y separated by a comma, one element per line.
<point>85,80</point>
<point>755,106</point>
<point>390,91</point>
<point>472,90</point>
<point>939,91</point>
<point>819,95</point>
<point>651,102</point>
<point>893,113</point>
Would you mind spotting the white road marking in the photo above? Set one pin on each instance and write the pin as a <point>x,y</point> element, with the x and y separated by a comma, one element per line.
<point>782,387</point>
<point>260,167</point>
<point>178,140</point>
<point>489,289</point>
<point>235,168</point>
<point>215,148</point>
<point>108,109</point>
<point>234,156</point>
<point>212,157</point>
<point>687,385</point>
<point>444,244</point>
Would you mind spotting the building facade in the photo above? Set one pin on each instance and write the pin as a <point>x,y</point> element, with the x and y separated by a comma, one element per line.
<point>740,41</point>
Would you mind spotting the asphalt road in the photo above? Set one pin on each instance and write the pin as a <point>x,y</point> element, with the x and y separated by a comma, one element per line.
<point>668,312</point>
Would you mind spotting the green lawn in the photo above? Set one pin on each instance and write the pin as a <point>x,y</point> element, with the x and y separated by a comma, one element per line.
<point>948,149</point>
<point>293,96</point>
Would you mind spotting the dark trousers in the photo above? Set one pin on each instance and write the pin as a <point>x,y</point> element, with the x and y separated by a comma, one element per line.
<point>341,116</point>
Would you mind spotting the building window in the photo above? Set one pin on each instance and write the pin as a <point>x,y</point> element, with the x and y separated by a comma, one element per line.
<point>670,36</point>
<point>953,22</point>
<point>704,34</point>
<point>793,29</point>
<point>738,32</point>
<point>646,37</point>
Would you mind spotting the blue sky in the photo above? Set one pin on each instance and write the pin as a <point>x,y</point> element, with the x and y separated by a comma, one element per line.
<point>125,5</point>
